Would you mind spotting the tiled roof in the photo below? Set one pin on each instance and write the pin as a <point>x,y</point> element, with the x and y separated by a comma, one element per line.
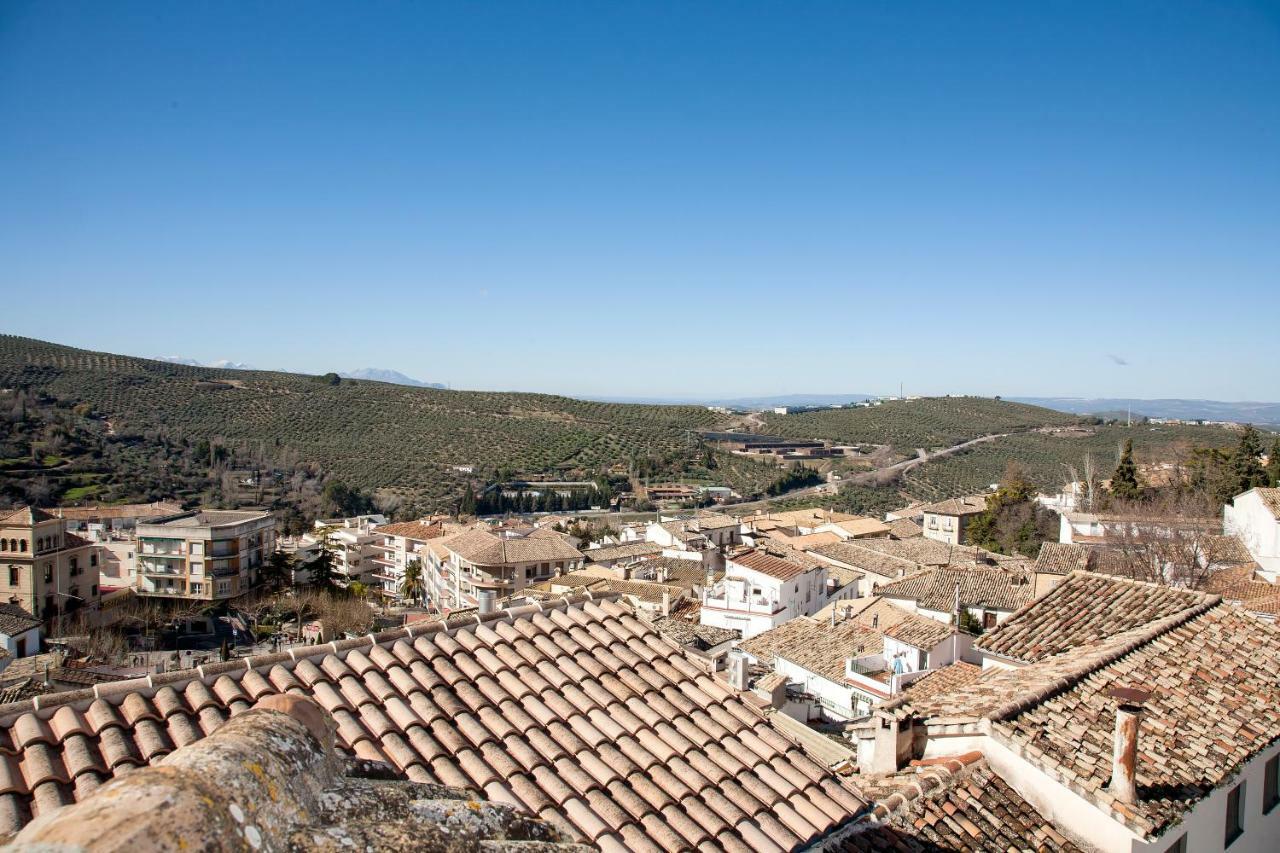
<point>943,681</point>
<point>1062,557</point>
<point>1240,583</point>
<point>414,530</point>
<point>1270,499</point>
<point>949,803</point>
<point>919,631</point>
<point>622,552</point>
<point>484,548</point>
<point>863,526</point>
<point>1215,687</point>
<point>1085,608</point>
<point>995,587</point>
<point>715,521</point>
<point>774,567</point>
<point>24,515</point>
<point>14,620</point>
<point>865,560</point>
<point>579,714</point>
<point>642,590</point>
<point>692,634</point>
<point>970,505</point>
<point>817,646</point>
<point>905,528</point>
<point>807,541</point>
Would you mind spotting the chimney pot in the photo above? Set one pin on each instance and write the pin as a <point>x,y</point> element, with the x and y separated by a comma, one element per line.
<point>738,672</point>
<point>1124,754</point>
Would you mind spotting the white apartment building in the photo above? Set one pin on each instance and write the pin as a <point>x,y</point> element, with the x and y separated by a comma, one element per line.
<point>399,545</point>
<point>203,554</point>
<point>352,541</point>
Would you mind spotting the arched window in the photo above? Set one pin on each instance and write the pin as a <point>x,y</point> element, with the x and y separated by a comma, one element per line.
<point>23,545</point>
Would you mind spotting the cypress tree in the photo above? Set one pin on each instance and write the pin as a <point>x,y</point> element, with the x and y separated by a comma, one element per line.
<point>1246,465</point>
<point>1273,463</point>
<point>1124,482</point>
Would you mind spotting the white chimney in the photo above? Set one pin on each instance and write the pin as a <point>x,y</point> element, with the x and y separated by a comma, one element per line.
<point>484,601</point>
<point>1124,753</point>
<point>738,672</point>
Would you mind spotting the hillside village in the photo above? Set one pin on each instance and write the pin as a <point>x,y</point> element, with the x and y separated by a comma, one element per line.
<point>750,678</point>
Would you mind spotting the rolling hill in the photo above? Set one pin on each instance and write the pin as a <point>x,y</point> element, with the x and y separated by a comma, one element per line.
<point>371,435</point>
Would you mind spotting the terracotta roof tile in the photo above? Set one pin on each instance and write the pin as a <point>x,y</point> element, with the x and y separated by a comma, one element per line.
<point>581,714</point>
<point>1084,608</point>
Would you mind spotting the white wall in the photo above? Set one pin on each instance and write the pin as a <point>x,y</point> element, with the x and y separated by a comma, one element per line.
<point>1248,518</point>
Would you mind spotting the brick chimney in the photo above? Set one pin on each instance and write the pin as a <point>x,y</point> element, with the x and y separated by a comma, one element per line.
<point>1124,754</point>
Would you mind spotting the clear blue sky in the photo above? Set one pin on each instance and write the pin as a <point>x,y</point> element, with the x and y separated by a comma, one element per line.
<point>655,198</point>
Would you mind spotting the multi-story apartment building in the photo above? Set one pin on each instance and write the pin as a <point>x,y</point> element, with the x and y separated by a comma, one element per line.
<point>353,543</point>
<point>45,570</point>
<point>502,562</point>
<point>203,554</point>
<point>397,547</point>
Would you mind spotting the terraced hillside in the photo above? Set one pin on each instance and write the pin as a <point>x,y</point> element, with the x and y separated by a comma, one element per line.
<point>369,434</point>
<point>1046,455</point>
<point>930,422</point>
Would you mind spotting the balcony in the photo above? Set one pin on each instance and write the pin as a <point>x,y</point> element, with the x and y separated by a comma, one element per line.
<point>160,569</point>
<point>739,597</point>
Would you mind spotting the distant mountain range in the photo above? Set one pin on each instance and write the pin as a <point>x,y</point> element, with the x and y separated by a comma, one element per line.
<point>1191,410</point>
<point>222,363</point>
<point>382,374</point>
<point>373,374</point>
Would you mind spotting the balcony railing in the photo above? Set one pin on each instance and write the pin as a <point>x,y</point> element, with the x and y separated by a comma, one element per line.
<point>749,604</point>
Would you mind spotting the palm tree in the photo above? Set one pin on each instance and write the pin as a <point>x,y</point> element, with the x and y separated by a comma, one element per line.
<point>413,585</point>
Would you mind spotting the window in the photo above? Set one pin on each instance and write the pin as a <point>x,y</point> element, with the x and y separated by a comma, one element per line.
<point>1271,785</point>
<point>22,546</point>
<point>1235,815</point>
<point>75,566</point>
<point>48,573</point>
<point>93,560</point>
<point>1179,846</point>
<point>197,568</point>
<point>988,619</point>
<point>15,575</point>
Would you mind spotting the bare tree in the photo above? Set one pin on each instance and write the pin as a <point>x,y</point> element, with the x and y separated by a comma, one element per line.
<point>1174,540</point>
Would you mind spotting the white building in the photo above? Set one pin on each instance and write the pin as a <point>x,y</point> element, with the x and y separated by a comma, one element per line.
<point>1255,517</point>
<point>352,542</point>
<point>203,554</point>
<point>398,546</point>
<point>947,521</point>
<point>761,591</point>
<point>1112,686</point>
<point>19,633</point>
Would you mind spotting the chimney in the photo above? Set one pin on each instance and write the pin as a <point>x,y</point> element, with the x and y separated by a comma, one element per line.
<point>1124,754</point>
<point>484,601</point>
<point>738,672</point>
<point>666,603</point>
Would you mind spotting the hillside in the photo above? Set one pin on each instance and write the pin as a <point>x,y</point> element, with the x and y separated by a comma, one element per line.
<point>930,422</point>
<point>371,435</point>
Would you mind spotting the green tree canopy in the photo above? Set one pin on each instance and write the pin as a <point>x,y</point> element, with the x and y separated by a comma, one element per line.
<point>1124,482</point>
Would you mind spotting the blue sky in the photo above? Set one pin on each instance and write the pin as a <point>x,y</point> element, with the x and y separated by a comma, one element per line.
<point>710,199</point>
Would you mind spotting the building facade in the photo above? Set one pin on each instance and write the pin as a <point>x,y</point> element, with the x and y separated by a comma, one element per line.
<point>204,555</point>
<point>46,570</point>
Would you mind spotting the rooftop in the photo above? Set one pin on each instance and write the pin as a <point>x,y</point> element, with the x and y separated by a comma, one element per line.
<point>817,646</point>
<point>415,530</point>
<point>211,518</point>
<point>107,511</point>
<point>622,552</point>
<point>1083,609</point>
<point>992,587</point>
<point>920,632</point>
<point>968,505</point>
<point>768,564</point>
<point>579,714</point>
<point>488,549</point>
<point>1063,557</point>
